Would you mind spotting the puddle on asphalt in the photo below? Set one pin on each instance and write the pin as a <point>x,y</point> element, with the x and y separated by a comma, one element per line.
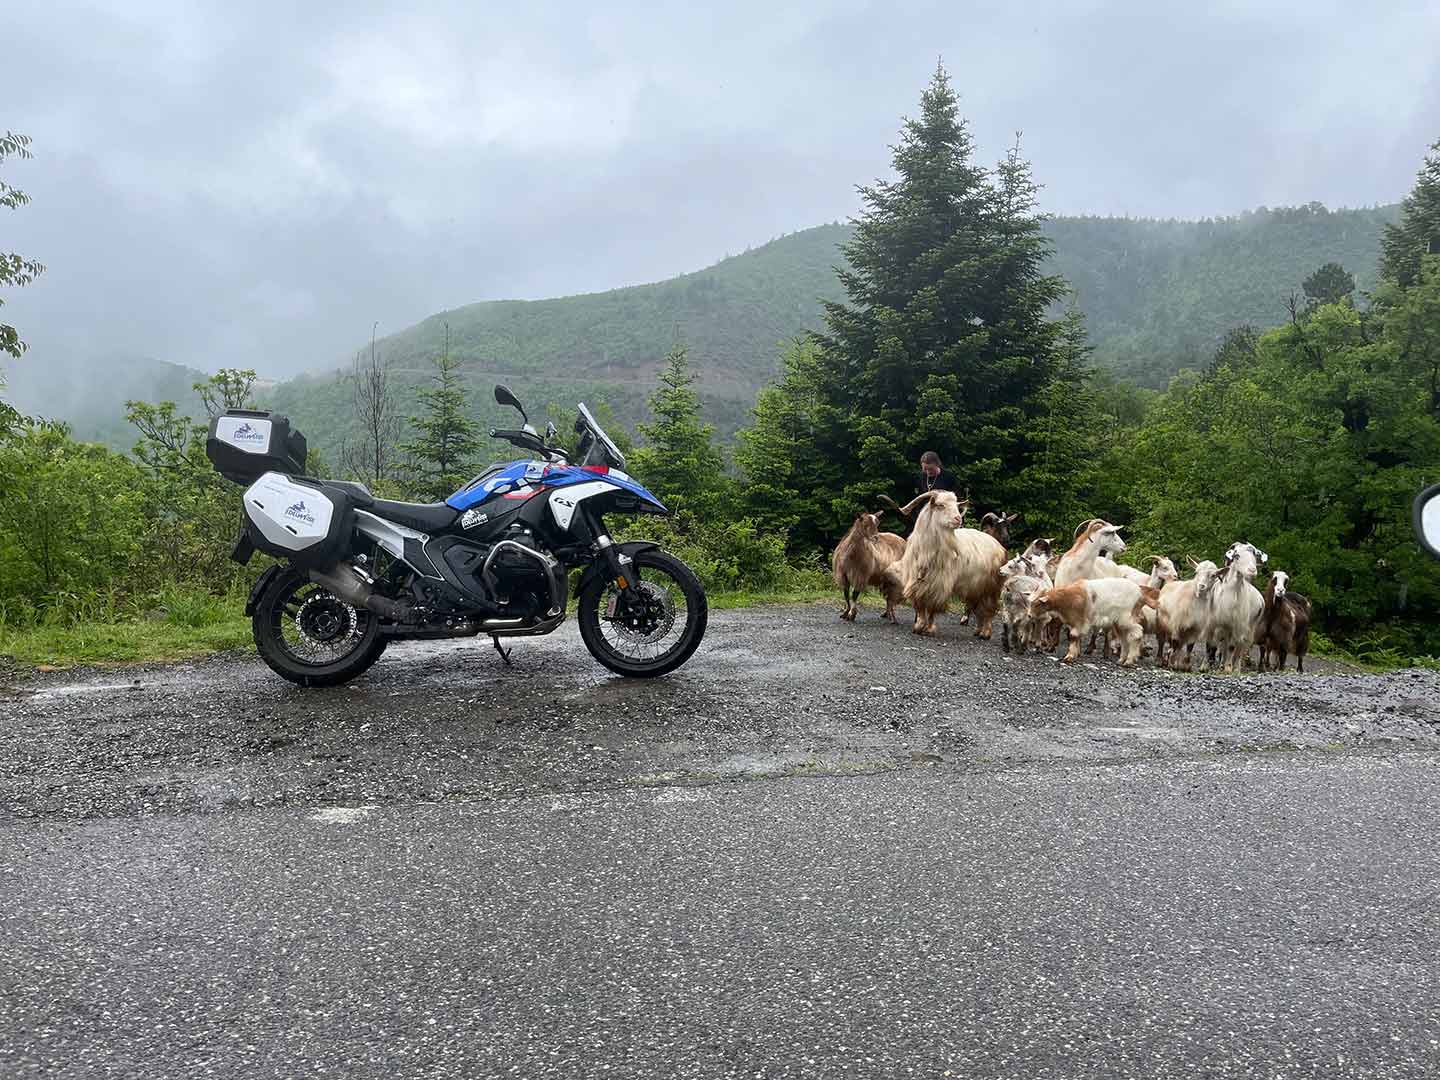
<point>89,688</point>
<point>341,815</point>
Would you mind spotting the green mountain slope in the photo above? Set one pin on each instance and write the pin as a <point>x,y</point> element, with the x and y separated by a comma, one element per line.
<point>1157,295</point>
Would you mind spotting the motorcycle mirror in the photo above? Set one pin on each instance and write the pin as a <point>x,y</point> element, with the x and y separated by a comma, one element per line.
<point>503,396</point>
<point>1427,519</point>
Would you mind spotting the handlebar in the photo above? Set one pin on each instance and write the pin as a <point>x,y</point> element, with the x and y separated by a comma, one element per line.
<point>526,441</point>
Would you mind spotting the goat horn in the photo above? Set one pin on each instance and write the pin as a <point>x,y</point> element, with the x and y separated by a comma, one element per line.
<point>909,508</point>
<point>1191,560</point>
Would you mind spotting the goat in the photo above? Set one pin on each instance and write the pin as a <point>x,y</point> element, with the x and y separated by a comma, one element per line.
<point>1235,606</point>
<point>1183,612</point>
<point>1098,603</point>
<point>998,526</point>
<point>1043,547</point>
<point>1022,578</point>
<point>1284,624</point>
<point>1161,571</point>
<point>860,560</point>
<point>945,561</point>
<point>1092,538</point>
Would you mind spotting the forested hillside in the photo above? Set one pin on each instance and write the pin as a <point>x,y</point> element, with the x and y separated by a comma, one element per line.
<point>1160,295</point>
<point>1157,295</point>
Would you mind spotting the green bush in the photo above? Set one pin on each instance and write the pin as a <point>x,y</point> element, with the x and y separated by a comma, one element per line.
<point>728,555</point>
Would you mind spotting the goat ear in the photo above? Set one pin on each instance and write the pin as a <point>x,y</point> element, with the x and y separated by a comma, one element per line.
<point>1012,518</point>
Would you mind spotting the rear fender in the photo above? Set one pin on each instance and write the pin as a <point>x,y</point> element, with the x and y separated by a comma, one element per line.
<point>600,568</point>
<point>260,583</point>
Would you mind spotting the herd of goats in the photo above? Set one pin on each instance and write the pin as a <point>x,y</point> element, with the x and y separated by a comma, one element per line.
<point>1083,590</point>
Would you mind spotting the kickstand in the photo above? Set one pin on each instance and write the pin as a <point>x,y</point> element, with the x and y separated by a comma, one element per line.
<point>504,652</point>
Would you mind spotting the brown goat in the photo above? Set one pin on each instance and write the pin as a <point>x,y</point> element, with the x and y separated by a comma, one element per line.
<point>861,559</point>
<point>998,526</point>
<point>1284,624</point>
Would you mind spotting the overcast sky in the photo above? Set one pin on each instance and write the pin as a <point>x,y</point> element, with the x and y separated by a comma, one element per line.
<point>255,184</point>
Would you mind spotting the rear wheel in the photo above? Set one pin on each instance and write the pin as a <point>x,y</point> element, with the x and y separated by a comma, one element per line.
<point>653,634</point>
<point>311,637</point>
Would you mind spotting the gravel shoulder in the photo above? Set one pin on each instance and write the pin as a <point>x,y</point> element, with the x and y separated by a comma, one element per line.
<point>772,692</point>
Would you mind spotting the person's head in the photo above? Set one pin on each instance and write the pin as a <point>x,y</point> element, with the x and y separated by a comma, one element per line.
<point>930,463</point>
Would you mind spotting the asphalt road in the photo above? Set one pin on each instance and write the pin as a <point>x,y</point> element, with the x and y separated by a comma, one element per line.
<point>765,866</point>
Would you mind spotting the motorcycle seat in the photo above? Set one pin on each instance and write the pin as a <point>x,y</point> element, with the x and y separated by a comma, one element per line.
<point>426,517</point>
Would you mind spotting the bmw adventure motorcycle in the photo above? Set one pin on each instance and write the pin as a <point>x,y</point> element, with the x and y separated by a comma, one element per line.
<point>494,558</point>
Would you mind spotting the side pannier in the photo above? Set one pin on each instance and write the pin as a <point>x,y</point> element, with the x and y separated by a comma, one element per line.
<point>298,520</point>
<point>243,444</point>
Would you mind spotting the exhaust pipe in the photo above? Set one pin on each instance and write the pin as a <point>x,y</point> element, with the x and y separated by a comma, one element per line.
<point>356,589</point>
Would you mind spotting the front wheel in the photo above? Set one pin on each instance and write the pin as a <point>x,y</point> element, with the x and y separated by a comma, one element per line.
<point>653,634</point>
<point>311,637</point>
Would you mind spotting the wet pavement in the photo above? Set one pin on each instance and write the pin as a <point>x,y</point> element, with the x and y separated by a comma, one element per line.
<point>818,849</point>
<point>772,692</point>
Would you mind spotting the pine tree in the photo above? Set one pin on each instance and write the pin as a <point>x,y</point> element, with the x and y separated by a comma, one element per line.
<point>1418,232</point>
<point>680,462</point>
<point>1329,285</point>
<point>946,342</point>
<point>447,439</point>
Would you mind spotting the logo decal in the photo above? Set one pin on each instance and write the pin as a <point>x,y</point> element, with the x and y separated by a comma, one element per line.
<point>471,518</point>
<point>300,513</point>
<point>246,433</point>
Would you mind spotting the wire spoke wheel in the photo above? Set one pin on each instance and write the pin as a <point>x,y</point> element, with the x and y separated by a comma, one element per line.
<point>653,630</point>
<point>318,628</point>
<point>310,636</point>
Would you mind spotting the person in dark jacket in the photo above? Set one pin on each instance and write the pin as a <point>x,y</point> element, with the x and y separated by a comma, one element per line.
<point>933,476</point>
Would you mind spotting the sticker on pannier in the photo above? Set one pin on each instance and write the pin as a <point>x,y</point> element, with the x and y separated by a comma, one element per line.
<point>291,516</point>
<point>250,434</point>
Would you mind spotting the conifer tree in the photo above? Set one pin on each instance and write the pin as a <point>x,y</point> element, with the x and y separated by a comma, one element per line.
<point>1417,234</point>
<point>947,341</point>
<point>446,438</point>
<point>679,461</point>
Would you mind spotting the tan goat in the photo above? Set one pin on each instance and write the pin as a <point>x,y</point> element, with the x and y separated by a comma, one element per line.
<point>944,561</point>
<point>861,559</point>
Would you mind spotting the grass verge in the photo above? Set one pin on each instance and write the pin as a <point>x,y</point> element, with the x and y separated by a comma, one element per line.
<point>120,643</point>
<point>176,624</point>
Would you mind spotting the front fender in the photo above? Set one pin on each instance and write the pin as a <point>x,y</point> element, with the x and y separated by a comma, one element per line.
<point>598,568</point>
<point>259,587</point>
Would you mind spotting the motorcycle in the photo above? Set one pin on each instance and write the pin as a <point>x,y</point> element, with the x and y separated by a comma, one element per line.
<point>494,558</point>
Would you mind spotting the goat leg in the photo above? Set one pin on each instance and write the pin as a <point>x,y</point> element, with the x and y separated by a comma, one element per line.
<point>1073,653</point>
